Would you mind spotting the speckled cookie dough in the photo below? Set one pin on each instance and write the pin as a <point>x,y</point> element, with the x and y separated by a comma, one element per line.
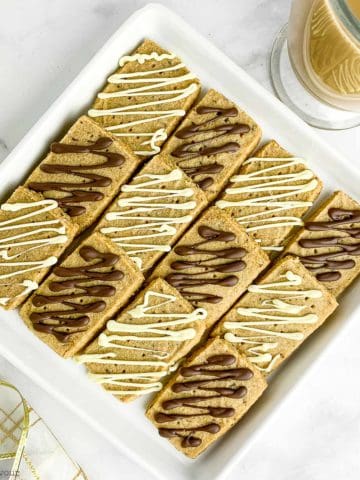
<point>152,211</point>
<point>145,98</point>
<point>213,263</point>
<point>270,194</point>
<point>72,305</point>
<point>84,171</point>
<point>142,345</point>
<point>212,142</point>
<point>328,245</point>
<point>208,395</point>
<point>33,234</point>
<point>277,314</point>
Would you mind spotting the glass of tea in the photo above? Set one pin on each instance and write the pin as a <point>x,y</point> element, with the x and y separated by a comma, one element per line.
<point>315,62</point>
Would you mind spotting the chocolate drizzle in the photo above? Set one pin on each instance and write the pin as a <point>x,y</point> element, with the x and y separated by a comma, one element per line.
<point>193,149</point>
<point>341,220</point>
<point>207,265</point>
<point>215,375</point>
<point>79,192</point>
<point>63,323</point>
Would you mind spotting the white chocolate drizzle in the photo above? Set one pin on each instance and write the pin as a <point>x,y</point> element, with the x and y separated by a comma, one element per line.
<point>152,110</point>
<point>29,285</point>
<point>162,327</point>
<point>272,192</point>
<point>261,340</point>
<point>138,209</point>
<point>29,241</point>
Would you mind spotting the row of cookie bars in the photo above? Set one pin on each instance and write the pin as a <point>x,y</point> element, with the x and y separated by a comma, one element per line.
<point>265,326</point>
<point>202,400</point>
<point>217,384</point>
<point>206,272</point>
<point>285,307</point>
<point>130,218</point>
<point>85,170</point>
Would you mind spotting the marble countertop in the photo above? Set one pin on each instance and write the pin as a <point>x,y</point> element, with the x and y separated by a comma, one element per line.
<point>43,45</point>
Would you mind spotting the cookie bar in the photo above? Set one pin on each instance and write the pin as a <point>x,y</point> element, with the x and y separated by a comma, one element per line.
<point>329,245</point>
<point>270,194</point>
<point>152,211</point>
<point>141,346</point>
<point>144,100</point>
<point>212,142</point>
<point>33,234</point>
<point>208,395</point>
<point>72,305</point>
<point>213,263</point>
<point>276,314</point>
<point>84,171</point>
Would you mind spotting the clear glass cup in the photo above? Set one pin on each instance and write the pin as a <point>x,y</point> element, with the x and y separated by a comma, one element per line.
<point>315,62</point>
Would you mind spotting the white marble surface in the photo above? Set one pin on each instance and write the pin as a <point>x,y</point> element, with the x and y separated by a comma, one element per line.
<point>43,45</point>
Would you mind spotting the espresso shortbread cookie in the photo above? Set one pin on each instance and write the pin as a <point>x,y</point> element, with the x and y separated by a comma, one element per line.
<point>144,100</point>
<point>329,243</point>
<point>141,346</point>
<point>152,211</point>
<point>277,314</point>
<point>208,395</point>
<point>213,263</point>
<point>270,194</point>
<point>212,142</point>
<point>33,234</point>
<point>72,305</point>
<point>84,171</point>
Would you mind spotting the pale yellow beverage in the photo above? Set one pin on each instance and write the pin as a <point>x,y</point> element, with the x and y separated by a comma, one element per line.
<point>354,6</point>
<point>325,53</point>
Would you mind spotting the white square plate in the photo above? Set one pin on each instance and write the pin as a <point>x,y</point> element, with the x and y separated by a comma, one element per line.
<point>125,425</point>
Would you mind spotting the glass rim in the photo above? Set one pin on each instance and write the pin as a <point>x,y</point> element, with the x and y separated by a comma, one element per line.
<point>347,17</point>
<point>277,79</point>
